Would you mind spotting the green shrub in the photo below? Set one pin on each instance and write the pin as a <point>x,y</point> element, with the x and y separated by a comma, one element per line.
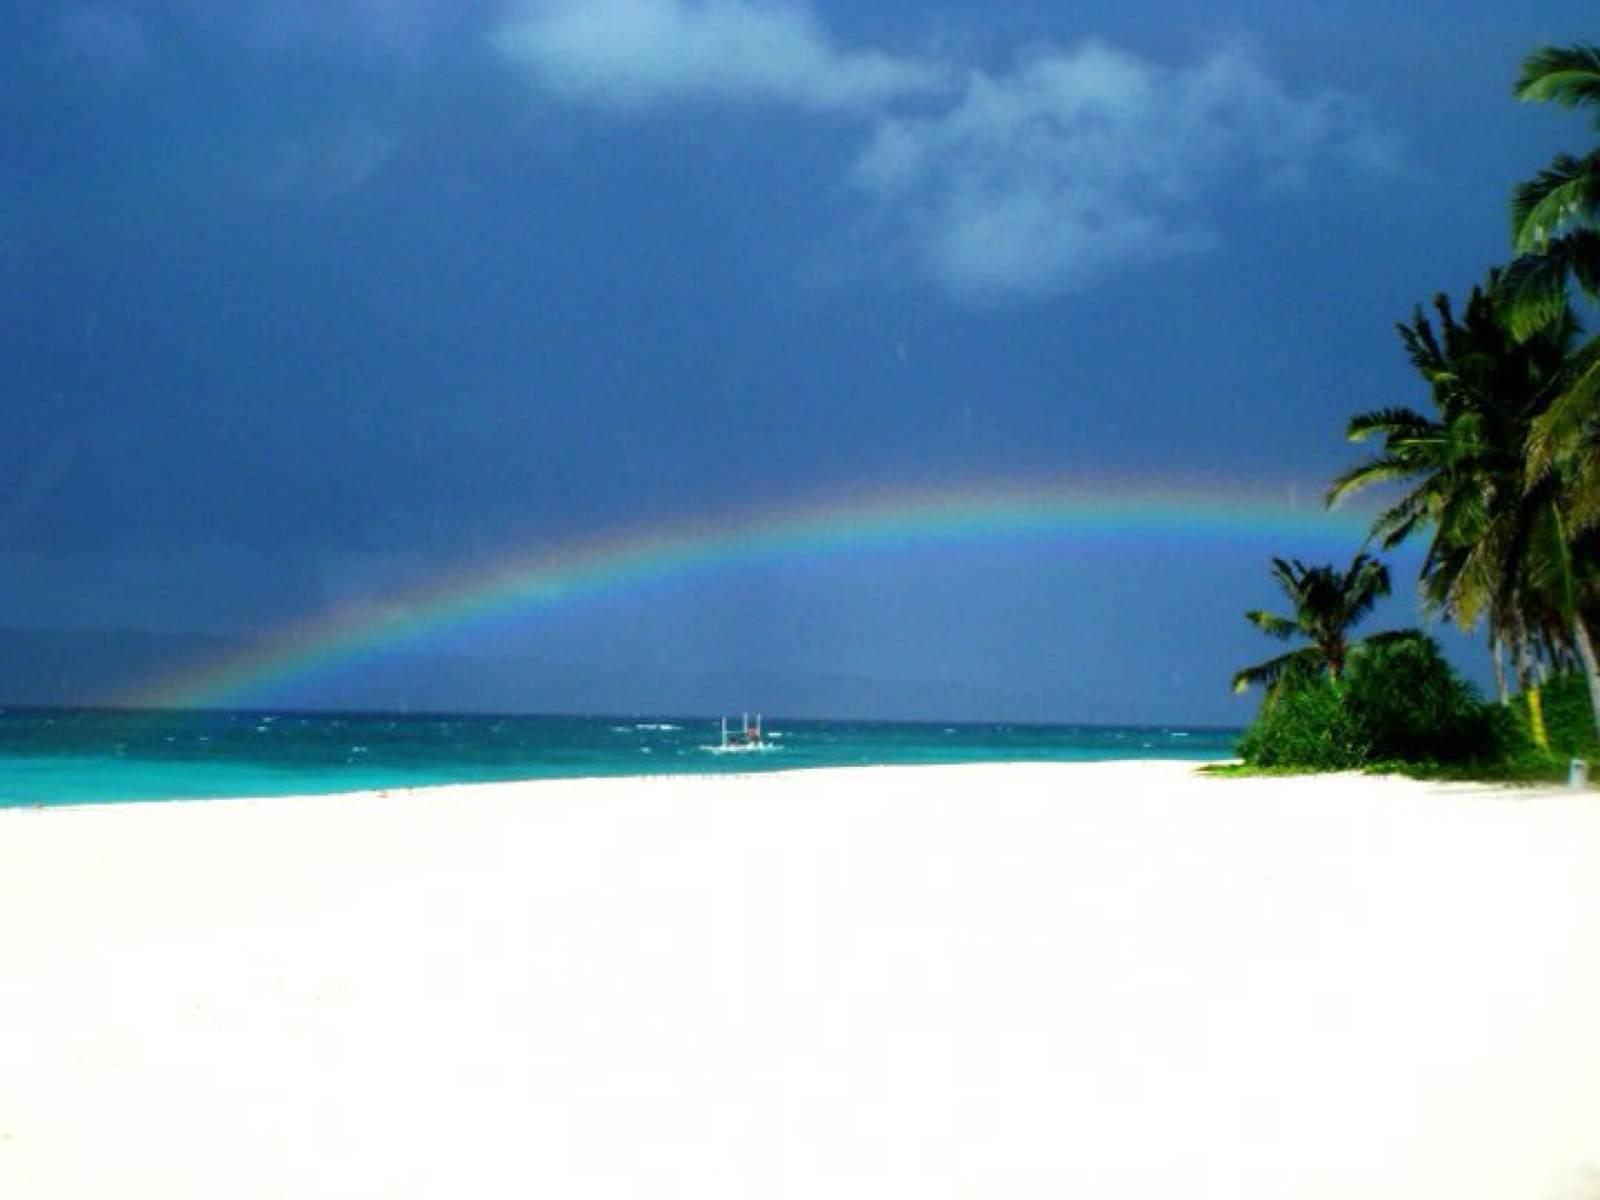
<point>1400,702</point>
<point>1304,724</point>
<point>1568,717</point>
<point>1408,705</point>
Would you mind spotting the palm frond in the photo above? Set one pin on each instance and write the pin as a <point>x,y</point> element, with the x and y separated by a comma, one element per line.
<point>1404,424</point>
<point>1399,521</point>
<point>1287,576</point>
<point>1534,286</point>
<point>1583,494</point>
<point>1385,468</point>
<point>1564,75</point>
<point>1272,625</point>
<point>1547,566</point>
<point>1439,578</point>
<point>1565,193</point>
<point>1365,583</point>
<point>1269,672</point>
<point>1464,513</point>
<point>1422,347</point>
<point>1566,428</point>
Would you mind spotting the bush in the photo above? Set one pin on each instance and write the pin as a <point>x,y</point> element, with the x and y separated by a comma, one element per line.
<point>1568,717</point>
<point>1408,705</point>
<point>1399,702</point>
<point>1304,724</point>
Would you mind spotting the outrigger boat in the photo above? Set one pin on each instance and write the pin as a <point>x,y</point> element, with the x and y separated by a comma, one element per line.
<point>747,737</point>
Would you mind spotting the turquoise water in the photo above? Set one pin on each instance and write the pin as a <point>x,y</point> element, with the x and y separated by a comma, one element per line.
<point>79,756</point>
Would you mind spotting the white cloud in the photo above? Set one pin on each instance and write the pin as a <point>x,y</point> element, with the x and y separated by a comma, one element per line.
<point>633,54</point>
<point>1078,162</point>
<point>1035,181</point>
<point>104,35</point>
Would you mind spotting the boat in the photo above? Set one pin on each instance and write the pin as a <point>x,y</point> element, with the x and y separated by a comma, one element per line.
<point>747,737</point>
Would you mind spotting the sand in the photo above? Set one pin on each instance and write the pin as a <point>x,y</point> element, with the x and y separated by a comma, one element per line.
<point>1117,980</point>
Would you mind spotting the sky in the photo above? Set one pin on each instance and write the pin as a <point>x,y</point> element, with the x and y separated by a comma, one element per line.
<point>319,309</point>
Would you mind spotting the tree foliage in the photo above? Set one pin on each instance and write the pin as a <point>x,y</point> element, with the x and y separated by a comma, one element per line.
<point>1400,702</point>
<point>1555,216</point>
<point>1327,604</point>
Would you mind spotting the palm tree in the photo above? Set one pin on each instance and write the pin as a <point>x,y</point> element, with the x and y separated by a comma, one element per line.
<point>1555,230</point>
<point>1500,546</point>
<point>1555,216</point>
<point>1327,604</point>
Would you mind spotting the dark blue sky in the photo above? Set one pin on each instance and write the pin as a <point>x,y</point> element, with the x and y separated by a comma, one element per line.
<point>312,303</point>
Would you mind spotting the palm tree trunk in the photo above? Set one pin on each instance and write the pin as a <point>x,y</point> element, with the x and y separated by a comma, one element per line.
<point>1541,738</point>
<point>1591,665</point>
<point>1525,679</point>
<point>1497,653</point>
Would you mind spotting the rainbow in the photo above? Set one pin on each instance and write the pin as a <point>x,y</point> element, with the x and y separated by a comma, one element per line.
<point>530,582</point>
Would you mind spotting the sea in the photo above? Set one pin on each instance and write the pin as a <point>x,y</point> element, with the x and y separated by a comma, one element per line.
<point>94,756</point>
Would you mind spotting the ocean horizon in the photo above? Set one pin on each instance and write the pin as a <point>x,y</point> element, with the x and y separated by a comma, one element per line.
<point>62,756</point>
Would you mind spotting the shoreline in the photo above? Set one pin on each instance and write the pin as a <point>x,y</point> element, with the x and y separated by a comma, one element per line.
<point>558,780</point>
<point>1122,979</point>
<point>480,789</point>
<point>95,757</point>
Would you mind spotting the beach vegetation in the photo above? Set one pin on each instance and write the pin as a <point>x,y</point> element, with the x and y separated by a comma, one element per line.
<point>1327,603</point>
<point>1499,550</point>
<point>1399,705</point>
<point>1303,725</point>
<point>1502,474</point>
<point>1555,216</point>
<point>1407,704</point>
<point>1555,233</point>
<point>1569,726</point>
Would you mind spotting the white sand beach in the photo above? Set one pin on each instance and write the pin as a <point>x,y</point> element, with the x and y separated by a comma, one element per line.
<point>1106,981</point>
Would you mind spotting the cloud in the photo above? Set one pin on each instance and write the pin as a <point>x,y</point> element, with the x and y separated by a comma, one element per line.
<point>332,161</point>
<point>105,36</point>
<point>1033,182</point>
<point>1079,162</point>
<point>634,54</point>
